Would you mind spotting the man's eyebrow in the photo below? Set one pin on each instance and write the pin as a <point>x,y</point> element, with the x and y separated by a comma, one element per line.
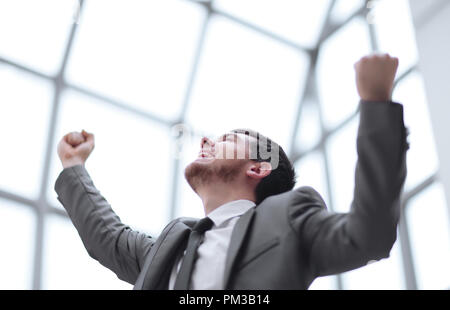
<point>228,134</point>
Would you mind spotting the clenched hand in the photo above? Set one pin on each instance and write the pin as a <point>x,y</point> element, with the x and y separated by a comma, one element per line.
<point>74,148</point>
<point>375,76</point>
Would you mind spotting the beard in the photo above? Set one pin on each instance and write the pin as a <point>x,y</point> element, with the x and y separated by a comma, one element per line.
<point>226,171</point>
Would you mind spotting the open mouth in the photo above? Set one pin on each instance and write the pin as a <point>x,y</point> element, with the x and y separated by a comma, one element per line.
<point>205,155</point>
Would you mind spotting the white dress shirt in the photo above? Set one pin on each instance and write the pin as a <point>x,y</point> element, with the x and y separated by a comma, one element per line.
<point>209,268</point>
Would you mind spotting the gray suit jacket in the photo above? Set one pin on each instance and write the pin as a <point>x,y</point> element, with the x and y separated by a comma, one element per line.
<point>285,242</point>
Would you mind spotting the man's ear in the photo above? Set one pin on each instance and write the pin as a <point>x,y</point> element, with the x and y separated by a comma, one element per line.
<point>259,170</point>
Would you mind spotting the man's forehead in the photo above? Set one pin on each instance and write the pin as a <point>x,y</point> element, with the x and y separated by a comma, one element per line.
<point>238,135</point>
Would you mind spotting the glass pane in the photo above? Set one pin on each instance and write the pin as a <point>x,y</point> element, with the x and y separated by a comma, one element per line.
<point>343,9</point>
<point>324,283</point>
<point>297,20</point>
<point>189,204</point>
<point>310,172</point>
<point>66,263</point>
<point>130,165</point>
<point>17,231</point>
<point>395,31</point>
<point>386,274</point>
<point>428,222</point>
<point>246,81</point>
<point>145,53</point>
<point>34,33</point>
<point>309,132</point>
<point>24,116</point>
<point>422,160</point>
<point>336,74</point>
<point>342,157</point>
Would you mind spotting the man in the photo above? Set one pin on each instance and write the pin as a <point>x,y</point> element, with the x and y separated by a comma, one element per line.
<point>258,233</point>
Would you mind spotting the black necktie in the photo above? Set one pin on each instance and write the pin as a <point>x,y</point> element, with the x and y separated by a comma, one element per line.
<point>195,238</point>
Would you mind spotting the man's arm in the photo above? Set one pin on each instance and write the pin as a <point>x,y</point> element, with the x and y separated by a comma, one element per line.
<point>105,237</point>
<point>336,242</point>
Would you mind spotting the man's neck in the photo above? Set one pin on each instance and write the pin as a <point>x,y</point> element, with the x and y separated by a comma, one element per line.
<point>213,196</point>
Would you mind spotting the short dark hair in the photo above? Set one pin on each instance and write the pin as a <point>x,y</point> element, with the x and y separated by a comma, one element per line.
<point>282,178</point>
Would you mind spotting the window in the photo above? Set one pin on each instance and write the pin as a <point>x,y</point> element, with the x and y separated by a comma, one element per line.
<point>427,215</point>
<point>24,117</point>
<point>67,265</point>
<point>16,261</point>
<point>189,204</point>
<point>39,26</point>
<point>385,274</point>
<point>342,158</point>
<point>422,159</point>
<point>237,87</point>
<point>344,9</point>
<point>309,131</point>
<point>296,20</point>
<point>136,68</point>
<point>145,53</point>
<point>138,189</point>
<point>336,74</point>
<point>393,21</point>
<point>310,172</point>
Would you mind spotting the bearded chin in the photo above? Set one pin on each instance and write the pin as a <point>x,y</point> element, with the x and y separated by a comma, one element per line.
<point>198,174</point>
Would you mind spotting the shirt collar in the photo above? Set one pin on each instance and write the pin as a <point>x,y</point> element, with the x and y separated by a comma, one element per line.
<point>229,210</point>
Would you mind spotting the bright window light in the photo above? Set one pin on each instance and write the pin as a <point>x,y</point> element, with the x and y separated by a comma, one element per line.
<point>310,172</point>
<point>385,274</point>
<point>214,66</point>
<point>297,20</point>
<point>427,216</point>
<point>246,80</point>
<point>343,9</point>
<point>17,235</point>
<point>342,157</point>
<point>336,73</point>
<point>68,266</point>
<point>395,31</point>
<point>24,117</point>
<point>131,162</point>
<point>309,131</point>
<point>34,33</point>
<point>189,203</point>
<point>324,283</point>
<point>139,52</point>
<point>422,160</point>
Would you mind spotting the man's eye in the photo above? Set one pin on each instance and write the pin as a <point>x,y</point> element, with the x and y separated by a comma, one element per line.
<point>227,138</point>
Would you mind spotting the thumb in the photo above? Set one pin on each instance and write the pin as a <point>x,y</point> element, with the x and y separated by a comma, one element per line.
<point>88,136</point>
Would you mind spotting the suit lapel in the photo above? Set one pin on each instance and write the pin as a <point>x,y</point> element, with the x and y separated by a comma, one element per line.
<point>159,261</point>
<point>237,238</point>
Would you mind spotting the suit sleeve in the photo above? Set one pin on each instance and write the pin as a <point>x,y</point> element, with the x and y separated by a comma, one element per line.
<point>338,242</point>
<point>105,237</point>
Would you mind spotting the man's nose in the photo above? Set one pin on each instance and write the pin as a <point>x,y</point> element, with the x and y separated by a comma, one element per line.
<point>206,143</point>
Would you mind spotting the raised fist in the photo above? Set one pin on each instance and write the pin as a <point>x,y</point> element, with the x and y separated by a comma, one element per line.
<point>74,148</point>
<point>75,138</point>
<point>375,76</point>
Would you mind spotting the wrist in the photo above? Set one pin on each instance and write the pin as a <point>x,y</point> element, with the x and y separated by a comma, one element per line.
<point>376,98</point>
<point>72,162</point>
<point>379,94</point>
